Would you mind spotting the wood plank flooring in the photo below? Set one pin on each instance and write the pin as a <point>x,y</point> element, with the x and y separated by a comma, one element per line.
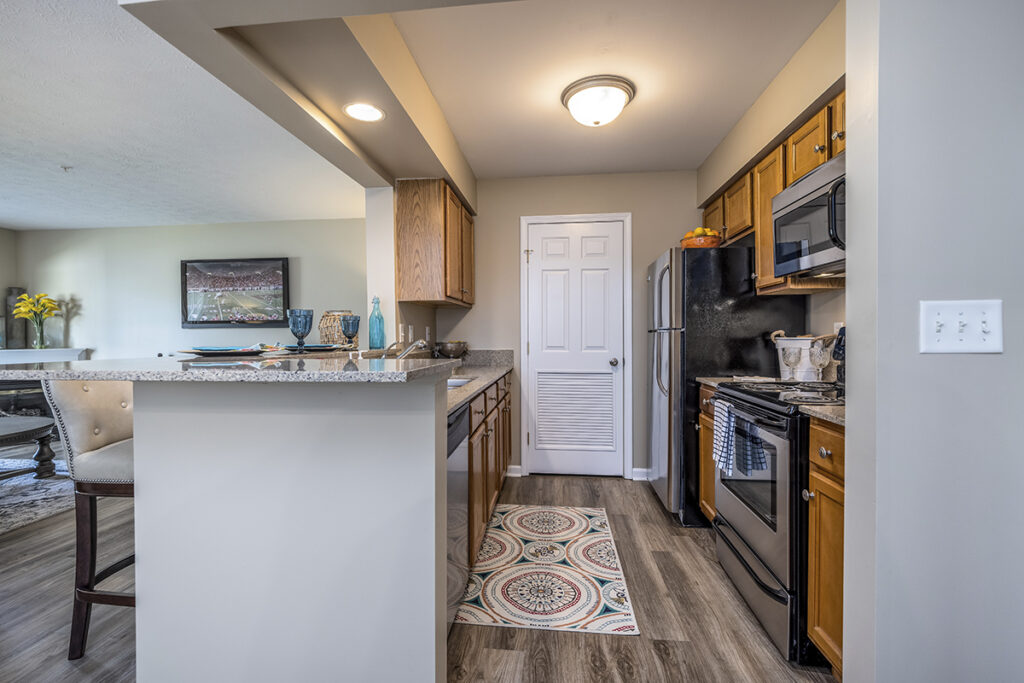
<point>36,579</point>
<point>694,626</point>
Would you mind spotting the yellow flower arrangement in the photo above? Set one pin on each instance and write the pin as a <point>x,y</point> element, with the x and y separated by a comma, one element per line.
<point>37,309</point>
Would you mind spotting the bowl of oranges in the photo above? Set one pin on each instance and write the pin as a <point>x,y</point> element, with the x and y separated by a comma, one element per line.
<point>701,238</point>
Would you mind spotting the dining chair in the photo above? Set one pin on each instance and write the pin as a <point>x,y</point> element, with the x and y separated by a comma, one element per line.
<point>94,420</point>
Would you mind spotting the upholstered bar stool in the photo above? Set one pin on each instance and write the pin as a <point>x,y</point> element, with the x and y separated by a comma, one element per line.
<point>94,420</point>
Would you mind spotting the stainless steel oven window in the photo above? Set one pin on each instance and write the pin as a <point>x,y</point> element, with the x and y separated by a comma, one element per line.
<point>754,479</point>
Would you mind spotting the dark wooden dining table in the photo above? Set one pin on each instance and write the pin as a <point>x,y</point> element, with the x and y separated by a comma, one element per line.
<point>18,430</point>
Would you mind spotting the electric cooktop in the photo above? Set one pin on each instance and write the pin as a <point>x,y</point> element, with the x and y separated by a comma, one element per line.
<point>786,396</point>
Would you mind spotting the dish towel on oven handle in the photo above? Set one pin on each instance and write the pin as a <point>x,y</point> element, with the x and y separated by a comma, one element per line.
<point>722,450</point>
<point>745,456</point>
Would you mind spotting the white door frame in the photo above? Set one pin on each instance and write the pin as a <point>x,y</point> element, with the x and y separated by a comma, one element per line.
<point>525,394</point>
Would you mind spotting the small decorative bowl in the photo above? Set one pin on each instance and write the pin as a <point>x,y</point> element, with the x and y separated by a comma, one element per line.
<point>451,349</point>
<point>702,242</point>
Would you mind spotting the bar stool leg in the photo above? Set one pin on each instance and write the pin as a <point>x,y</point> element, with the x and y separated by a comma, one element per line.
<point>44,458</point>
<point>85,571</point>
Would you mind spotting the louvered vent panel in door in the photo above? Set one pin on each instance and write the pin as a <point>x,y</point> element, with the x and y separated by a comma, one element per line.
<point>575,410</point>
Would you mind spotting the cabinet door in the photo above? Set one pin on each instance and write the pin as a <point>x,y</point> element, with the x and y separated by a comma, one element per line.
<point>825,566</point>
<point>478,512</point>
<point>506,432</point>
<point>707,466</point>
<point>737,208</point>
<point>493,473</point>
<point>452,245</point>
<point>807,148</point>
<point>467,257</point>
<point>838,128</point>
<point>769,180</point>
<point>714,215</point>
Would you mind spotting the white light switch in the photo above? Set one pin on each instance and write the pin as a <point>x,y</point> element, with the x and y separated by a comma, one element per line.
<point>962,326</point>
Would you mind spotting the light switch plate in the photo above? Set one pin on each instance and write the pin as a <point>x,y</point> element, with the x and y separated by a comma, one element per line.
<point>962,326</point>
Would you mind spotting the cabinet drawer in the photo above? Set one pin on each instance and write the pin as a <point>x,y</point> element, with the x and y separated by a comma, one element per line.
<point>827,447</point>
<point>706,392</point>
<point>477,411</point>
<point>491,393</point>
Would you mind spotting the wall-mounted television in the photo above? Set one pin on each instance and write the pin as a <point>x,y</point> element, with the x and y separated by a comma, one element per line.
<point>234,293</point>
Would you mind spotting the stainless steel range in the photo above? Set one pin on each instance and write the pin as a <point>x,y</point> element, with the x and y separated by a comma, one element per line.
<point>761,521</point>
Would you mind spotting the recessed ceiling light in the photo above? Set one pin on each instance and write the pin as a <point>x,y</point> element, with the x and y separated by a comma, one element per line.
<point>597,100</point>
<point>360,111</point>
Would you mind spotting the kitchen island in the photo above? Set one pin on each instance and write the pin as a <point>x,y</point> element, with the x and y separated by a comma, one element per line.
<point>289,516</point>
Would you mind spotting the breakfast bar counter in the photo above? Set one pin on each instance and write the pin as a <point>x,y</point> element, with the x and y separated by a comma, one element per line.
<point>289,515</point>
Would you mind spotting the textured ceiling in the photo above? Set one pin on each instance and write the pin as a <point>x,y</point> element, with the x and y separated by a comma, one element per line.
<point>498,72</point>
<point>151,137</point>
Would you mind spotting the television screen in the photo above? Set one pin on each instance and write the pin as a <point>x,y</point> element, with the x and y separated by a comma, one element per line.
<point>228,293</point>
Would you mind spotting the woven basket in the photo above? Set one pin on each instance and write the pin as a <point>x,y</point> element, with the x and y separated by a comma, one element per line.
<point>330,329</point>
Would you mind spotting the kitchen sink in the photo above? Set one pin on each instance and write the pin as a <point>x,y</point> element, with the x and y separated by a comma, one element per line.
<point>456,382</point>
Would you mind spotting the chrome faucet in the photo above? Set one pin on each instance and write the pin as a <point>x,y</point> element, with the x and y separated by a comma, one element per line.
<point>391,346</point>
<point>418,344</point>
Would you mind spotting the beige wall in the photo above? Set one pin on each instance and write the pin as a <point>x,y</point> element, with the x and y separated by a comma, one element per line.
<point>825,309</point>
<point>8,261</point>
<point>128,280</point>
<point>817,65</point>
<point>663,206</point>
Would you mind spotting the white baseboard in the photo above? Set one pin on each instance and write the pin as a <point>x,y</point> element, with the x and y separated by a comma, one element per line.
<point>641,473</point>
<point>514,471</point>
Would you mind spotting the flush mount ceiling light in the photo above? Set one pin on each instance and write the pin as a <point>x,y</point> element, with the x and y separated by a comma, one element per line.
<point>361,111</point>
<point>597,100</point>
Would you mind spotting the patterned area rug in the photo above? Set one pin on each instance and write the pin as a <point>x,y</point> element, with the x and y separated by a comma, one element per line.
<point>23,499</point>
<point>548,568</point>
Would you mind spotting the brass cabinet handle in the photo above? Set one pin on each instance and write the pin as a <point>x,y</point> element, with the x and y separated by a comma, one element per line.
<point>819,148</point>
<point>807,495</point>
<point>824,452</point>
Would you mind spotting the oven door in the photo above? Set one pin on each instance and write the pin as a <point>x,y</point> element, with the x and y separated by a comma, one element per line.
<point>810,236</point>
<point>755,497</point>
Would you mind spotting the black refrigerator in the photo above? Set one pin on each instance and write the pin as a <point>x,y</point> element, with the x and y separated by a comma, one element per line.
<point>704,319</point>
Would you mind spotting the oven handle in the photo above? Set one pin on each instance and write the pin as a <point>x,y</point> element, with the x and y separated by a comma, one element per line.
<point>760,421</point>
<point>775,594</point>
<point>833,232</point>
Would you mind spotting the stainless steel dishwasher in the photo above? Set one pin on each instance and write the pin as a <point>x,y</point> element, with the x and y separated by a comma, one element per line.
<point>458,509</point>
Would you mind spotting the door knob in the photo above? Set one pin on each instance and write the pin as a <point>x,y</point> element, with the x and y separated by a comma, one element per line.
<point>613,362</point>
<point>824,452</point>
<point>807,495</point>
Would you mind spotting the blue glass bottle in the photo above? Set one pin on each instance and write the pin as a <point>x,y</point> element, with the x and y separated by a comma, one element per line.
<point>377,339</point>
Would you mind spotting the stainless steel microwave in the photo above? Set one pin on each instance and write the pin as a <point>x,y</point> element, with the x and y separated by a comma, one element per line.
<point>809,222</point>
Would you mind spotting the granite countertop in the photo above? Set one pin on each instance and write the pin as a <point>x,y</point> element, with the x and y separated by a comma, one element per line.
<point>713,381</point>
<point>257,369</point>
<point>483,377</point>
<point>834,414</point>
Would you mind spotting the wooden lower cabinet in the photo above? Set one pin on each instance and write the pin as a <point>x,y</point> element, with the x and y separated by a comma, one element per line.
<point>825,508</point>
<point>490,451</point>
<point>478,510</point>
<point>707,465</point>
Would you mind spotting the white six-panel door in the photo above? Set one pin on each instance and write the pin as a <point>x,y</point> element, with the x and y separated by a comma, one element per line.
<point>575,327</point>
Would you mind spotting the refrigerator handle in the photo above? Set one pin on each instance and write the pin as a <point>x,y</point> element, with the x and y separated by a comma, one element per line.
<point>657,361</point>
<point>658,322</point>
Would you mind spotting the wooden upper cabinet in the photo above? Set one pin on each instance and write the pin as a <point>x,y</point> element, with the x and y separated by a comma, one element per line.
<point>714,215</point>
<point>430,244</point>
<point>452,245</point>
<point>468,256</point>
<point>738,205</point>
<point>825,565</point>
<point>769,180</point>
<point>807,148</point>
<point>838,123</point>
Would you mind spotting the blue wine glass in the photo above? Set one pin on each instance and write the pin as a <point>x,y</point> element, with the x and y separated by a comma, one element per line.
<point>300,322</point>
<point>350,326</point>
